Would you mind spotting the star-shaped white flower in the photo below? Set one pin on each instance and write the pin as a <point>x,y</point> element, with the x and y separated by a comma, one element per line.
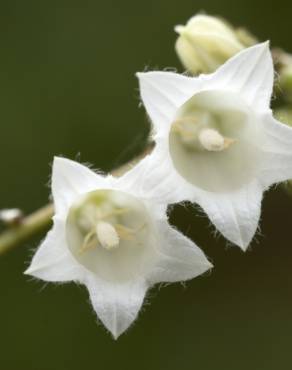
<point>110,236</point>
<point>217,143</point>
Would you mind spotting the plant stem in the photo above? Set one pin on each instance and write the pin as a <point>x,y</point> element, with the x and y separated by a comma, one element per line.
<point>27,228</point>
<point>41,219</point>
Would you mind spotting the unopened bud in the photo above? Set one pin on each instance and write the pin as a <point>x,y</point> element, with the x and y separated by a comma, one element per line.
<point>206,42</point>
<point>12,216</point>
<point>245,37</point>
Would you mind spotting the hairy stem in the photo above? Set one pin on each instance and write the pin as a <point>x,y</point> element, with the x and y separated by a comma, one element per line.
<point>41,219</point>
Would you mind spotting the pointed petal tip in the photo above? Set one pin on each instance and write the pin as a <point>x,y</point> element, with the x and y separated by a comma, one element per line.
<point>263,47</point>
<point>116,328</point>
<point>244,246</point>
<point>260,48</point>
<point>57,157</point>
<point>115,304</point>
<point>63,161</point>
<point>33,268</point>
<point>58,160</point>
<point>116,334</point>
<point>32,271</point>
<point>142,76</point>
<point>28,271</point>
<point>209,265</point>
<point>179,29</point>
<point>245,242</point>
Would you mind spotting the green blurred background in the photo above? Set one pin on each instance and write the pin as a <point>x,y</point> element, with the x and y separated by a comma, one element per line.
<point>67,86</point>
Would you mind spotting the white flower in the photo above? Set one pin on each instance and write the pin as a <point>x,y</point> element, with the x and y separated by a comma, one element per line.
<point>108,235</point>
<point>217,143</point>
<point>205,43</point>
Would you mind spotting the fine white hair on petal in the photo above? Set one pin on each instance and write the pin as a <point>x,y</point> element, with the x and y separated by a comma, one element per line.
<point>235,214</point>
<point>179,257</point>
<point>277,152</point>
<point>234,210</point>
<point>251,73</point>
<point>52,261</point>
<point>151,252</point>
<point>116,304</point>
<point>70,179</point>
<point>163,93</point>
<point>154,179</point>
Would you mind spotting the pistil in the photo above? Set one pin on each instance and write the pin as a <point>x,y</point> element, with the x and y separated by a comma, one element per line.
<point>107,235</point>
<point>213,141</point>
<point>198,134</point>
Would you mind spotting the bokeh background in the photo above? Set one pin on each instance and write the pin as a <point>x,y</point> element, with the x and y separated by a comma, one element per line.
<point>67,86</point>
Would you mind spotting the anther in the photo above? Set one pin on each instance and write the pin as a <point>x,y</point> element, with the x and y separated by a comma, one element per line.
<point>107,235</point>
<point>213,141</point>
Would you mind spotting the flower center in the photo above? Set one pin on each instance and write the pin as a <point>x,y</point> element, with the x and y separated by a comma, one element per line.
<point>213,141</point>
<point>108,232</point>
<point>200,135</point>
<point>107,235</point>
<point>101,232</point>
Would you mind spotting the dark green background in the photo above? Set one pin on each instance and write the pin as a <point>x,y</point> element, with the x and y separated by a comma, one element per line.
<point>67,86</point>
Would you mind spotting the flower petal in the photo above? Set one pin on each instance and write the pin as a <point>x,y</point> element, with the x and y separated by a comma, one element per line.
<point>250,73</point>
<point>155,179</point>
<point>235,214</point>
<point>116,304</point>
<point>277,152</point>
<point>70,179</point>
<point>53,261</point>
<point>163,93</point>
<point>179,258</point>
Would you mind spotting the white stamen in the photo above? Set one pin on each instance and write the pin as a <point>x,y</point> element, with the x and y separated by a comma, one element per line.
<point>107,235</point>
<point>213,141</point>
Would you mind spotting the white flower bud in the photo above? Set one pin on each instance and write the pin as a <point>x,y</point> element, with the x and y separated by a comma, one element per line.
<point>205,43</point>
<point>11,216</point>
